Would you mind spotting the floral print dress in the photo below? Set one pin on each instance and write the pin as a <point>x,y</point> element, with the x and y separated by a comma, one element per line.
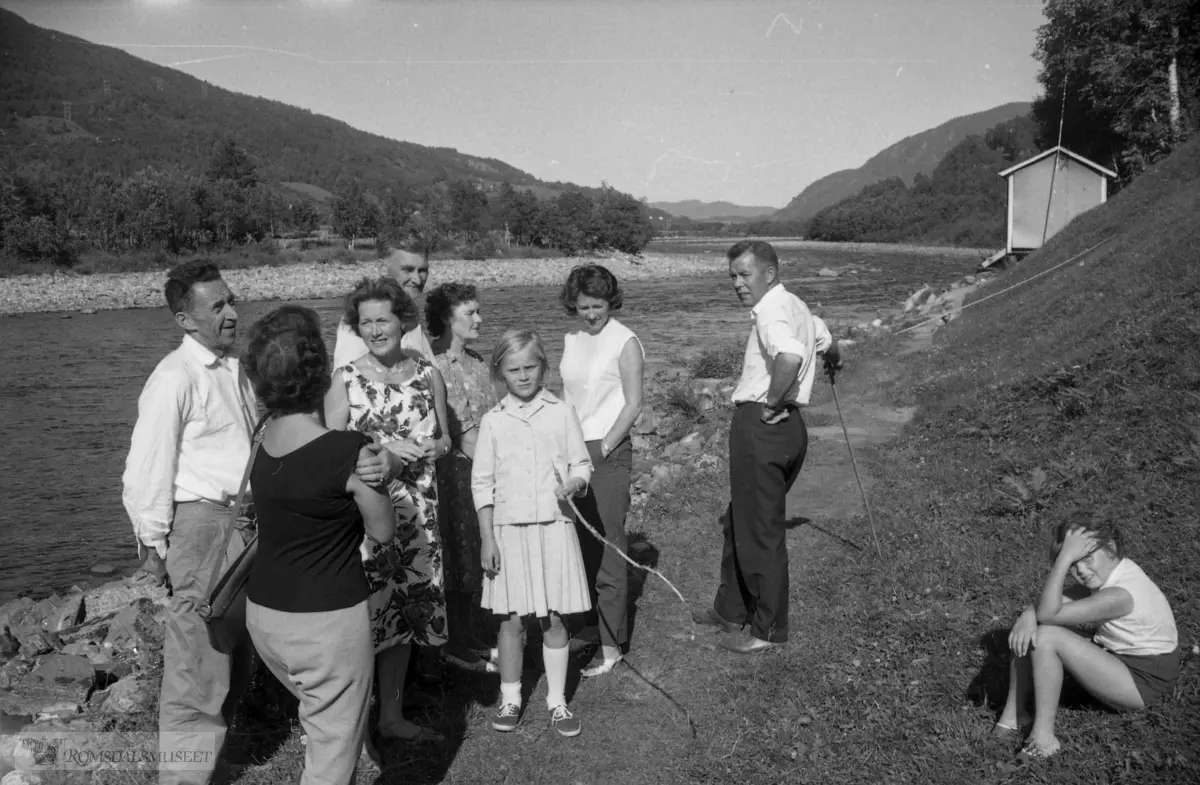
<point>407,603</point>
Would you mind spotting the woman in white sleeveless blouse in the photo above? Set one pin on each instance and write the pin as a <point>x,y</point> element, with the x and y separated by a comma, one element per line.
<point>602,372</point>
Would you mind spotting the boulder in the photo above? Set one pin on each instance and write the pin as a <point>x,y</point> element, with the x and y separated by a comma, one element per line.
<point>691,444</point>
<point>127,696</point>
<point>115,595</point>
<point>971,279</point>
<point>67,612</point>
<point>825,272</point>
<point>55,681</point>
<point>647,423</point>
<point>9,646</point>
<point>103,570</point>
<point>915,298</point>
<point>15,613</point>
<point>33,640</point>
<point>139,626</point>
<point>21,778</point>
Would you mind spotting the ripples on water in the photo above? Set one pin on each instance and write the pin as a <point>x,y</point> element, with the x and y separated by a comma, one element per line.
<point>68,401</point>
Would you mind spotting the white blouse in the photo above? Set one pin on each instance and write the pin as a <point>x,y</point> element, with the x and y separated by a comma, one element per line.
<point>591,376</point>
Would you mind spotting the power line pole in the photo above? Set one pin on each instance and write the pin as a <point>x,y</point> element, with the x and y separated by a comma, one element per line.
<point>204,89</point>
<point>67,111</point>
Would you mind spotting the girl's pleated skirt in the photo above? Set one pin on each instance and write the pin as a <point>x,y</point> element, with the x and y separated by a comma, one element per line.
<point>541,571</point>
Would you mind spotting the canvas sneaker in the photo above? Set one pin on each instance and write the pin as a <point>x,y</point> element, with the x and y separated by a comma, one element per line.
<point>507,718</point>
<point>565,722</point>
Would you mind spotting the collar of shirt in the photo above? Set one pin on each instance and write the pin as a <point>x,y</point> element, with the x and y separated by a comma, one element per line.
<point>774,292</point>
<point>206,356</point>
<point>510,405</point>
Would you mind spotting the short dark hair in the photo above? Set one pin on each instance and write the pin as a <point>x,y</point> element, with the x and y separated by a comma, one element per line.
<point>439,304</point>
<point>1103,530</point>
<point>518,341</point>
<point>385,289</point>
<point>592,280</point>
<point>763,251</point>
<point>287,361</point>
<point>182,278</point>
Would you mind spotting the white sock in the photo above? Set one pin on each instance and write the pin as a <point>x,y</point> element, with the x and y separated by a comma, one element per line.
<point>510,692</point>
<point>556,661</point>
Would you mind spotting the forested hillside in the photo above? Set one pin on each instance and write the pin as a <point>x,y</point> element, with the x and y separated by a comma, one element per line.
<point>911,156</point>
<point>101,151</point>
<point>963,203</point>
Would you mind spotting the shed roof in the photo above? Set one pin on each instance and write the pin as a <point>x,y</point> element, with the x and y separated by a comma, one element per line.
<point>1059,149</point>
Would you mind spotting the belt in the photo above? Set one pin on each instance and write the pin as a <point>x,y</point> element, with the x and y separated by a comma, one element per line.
<point>789,406</point>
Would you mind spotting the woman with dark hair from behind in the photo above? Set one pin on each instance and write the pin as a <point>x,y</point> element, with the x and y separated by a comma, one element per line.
<point>453,319</point>
<point>306,607</point>
<point>602,372</point>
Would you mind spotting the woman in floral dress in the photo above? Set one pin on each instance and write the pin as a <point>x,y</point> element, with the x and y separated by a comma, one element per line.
<point>398,398</point>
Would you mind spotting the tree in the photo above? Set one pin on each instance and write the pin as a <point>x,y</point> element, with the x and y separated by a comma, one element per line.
<point>1122,77</point>
<point>353,215</point>
<point>516,212</point>
<point>428,227</point>
<point>468,208</point>
<point>228,161</point>
<point>620,221</point>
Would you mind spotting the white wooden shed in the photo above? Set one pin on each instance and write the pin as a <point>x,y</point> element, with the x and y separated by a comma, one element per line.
<point>1047,191</point>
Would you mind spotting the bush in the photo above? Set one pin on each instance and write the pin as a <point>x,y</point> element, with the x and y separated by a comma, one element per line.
<point>720,362</point>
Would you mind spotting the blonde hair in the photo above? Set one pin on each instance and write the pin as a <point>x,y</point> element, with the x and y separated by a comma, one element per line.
<point>518,341</point>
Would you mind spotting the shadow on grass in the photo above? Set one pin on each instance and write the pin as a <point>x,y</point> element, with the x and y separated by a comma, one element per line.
<point>798,521</point>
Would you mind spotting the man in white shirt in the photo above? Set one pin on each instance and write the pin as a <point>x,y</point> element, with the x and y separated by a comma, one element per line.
<point>767,444</point>
<point>189,448</point>
<point>411,271</point>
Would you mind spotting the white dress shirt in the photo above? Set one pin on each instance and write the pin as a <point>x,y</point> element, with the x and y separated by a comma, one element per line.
<point>348,346</point>
<point>782,325</point>
<point>191,441</point>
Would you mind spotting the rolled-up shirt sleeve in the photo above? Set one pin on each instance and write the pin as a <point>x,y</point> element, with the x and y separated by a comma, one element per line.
<point>778,333</point>
<point>149,478</point>
<point>822,338</point>
<point>483,467</point>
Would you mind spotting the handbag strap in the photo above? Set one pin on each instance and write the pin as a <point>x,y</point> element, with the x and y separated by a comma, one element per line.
<point>255,442</point>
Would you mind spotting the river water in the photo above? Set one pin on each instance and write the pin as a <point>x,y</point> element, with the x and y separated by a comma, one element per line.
<point>68,396</point>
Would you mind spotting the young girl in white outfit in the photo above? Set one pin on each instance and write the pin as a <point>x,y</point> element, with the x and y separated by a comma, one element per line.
<point>530,552</point>
<point>1130,663</point>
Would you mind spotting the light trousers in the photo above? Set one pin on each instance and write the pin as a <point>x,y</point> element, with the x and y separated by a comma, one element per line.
<point>327,661</point>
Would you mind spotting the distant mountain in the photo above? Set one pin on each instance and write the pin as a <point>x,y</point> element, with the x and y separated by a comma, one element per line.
<point>712,211</point>
<point>76,107</point>
<point>920,153</point>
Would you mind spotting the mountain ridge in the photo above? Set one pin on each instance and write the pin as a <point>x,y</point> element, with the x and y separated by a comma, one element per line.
<point>72,104</point>
<point>918,153</point>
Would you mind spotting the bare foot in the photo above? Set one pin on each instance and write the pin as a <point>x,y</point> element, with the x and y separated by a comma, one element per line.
<point>1006,727</point>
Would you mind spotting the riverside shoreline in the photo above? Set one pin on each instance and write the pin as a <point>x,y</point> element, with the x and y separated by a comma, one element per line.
<point>66,292</point>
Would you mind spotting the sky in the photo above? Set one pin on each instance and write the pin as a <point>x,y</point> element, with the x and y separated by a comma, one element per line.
<point>743,101</point>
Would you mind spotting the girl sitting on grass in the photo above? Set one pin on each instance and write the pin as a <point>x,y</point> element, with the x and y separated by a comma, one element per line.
<point>1130,663</point>
<point>529,549</point>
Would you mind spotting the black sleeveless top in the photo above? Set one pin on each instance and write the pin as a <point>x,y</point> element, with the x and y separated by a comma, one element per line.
<point>309,527</point>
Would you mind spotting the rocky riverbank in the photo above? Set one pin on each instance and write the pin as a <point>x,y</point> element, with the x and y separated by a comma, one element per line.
<point>315,280</point>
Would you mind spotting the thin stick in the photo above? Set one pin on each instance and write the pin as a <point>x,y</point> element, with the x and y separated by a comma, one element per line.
<point>854,463</point>
<point>621,553</point>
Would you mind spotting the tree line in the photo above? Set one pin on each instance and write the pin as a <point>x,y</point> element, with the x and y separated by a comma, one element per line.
<point>50,215</point>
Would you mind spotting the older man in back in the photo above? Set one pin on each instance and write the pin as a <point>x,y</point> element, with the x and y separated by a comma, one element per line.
<point>767,444</point>
<point>189,448</point>
<point>411,271</point>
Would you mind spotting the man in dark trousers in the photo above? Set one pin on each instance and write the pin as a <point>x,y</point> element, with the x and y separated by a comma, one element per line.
<point>767,444</point>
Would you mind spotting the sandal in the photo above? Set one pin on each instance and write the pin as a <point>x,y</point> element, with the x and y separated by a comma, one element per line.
<point>480,665</point>
<point>602,667</point>
<point>1032,750</point>
<point>422,736</point>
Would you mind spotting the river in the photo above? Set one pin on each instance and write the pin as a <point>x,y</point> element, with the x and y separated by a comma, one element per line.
<point>68,397</point>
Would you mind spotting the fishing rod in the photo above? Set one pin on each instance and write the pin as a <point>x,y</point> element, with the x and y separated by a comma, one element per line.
<point>866,503</point>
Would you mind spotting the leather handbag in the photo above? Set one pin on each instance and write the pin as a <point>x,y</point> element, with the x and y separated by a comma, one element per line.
<point>224,607</point>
